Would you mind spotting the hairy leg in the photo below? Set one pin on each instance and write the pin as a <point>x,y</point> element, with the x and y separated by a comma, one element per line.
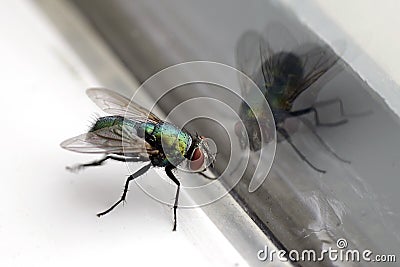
<point>286,135</point>
<point>101,161</point>
<point>138,173</point>
<point>305,111</point>
<point>322,142</point>
<point>168,170</point>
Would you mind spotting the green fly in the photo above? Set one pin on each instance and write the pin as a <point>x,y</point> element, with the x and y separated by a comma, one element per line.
<point>134,134</point>
<point>282,75</point>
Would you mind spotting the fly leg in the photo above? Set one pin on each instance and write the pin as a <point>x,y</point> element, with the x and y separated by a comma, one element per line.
<point>207,177</point>
<point>301,112</point>
<point>78,167</point>
<point>322,142</point>
<point>341,108</point>
<point>286,135</point>
<point>331,102</point>
<point>168,170</point>
<point>140,172</point>
<point>101,161</point>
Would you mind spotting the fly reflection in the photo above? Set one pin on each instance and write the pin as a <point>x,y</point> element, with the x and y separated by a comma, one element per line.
<point>283,70</point>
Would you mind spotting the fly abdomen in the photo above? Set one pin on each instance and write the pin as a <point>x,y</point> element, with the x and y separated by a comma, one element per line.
<point>105,122</point>
<point>121,124</point>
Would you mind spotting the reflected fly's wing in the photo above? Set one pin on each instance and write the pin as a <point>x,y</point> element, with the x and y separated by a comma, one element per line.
<point>116,104</point>
<point>317,60</point>
<point>110,140</point>
<point>248,59</point>
<point>280,38</point>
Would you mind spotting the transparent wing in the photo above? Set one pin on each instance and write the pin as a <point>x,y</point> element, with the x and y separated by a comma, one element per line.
<point>317,60</point>
<point>248,59</point>
<point>116,104</point>
<point>109,140</point>
<point>255,56</point>
<point>280,38</point>
<point>267,65</point>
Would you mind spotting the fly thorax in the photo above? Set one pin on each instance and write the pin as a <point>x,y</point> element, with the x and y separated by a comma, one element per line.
<point>275,100</point>
<point>288,68</point>
<point>174,143</point>
<point>279,115</point>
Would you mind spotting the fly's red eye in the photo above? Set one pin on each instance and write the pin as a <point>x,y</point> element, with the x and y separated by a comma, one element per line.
<point>197,160</point>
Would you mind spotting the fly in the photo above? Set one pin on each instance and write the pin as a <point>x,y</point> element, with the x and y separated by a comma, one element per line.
<point>134,134</point>
<point>282,76</point>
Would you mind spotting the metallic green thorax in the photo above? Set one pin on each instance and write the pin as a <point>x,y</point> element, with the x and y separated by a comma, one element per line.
<point>171,143</point>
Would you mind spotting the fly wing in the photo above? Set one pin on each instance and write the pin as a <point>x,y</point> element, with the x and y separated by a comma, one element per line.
<point>249,60</point>
<point>110,140</point>
<point>317,60</point>
<point>279,39</point>
<point>116,104</point>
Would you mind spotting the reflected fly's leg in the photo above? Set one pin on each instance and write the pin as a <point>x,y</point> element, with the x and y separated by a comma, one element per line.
<point>168,171</point>
<point>140,172</point>
<point>101,161</point>
<point>207,177</point>
<point>322,142</point>
<point>341,108</point>
<point>305,111</point>
<point>331,102</point>
<point>286,135</point>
